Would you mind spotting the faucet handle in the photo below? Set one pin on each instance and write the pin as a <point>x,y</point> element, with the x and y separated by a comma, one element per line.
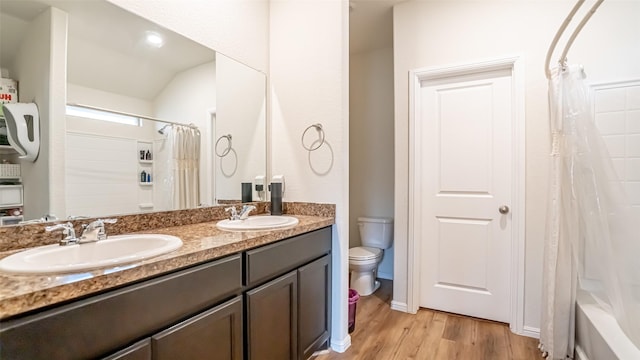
<point>99,223</point>
<point>233,212</point>
<point>67,230</point>
<point>96,229</point>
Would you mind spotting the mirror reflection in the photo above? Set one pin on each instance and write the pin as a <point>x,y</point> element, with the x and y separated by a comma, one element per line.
<point>134,118</point>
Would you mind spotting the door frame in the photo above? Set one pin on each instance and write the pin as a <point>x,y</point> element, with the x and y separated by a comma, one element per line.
<point>517,259</point>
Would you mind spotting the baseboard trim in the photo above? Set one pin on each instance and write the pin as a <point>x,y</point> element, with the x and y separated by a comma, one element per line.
<point>384,275</point>
<point>341,345</point>
<point>530,332</point>
<point>399,306</point>
<point>580,354</point>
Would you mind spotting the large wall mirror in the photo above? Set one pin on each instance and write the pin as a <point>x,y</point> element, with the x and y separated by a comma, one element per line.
<point>197,132</point>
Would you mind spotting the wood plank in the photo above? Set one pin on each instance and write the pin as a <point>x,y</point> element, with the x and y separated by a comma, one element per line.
<point>492,341</point>
<point>389,341</point>
<point>418,332</point>
<point>453,350</point>
<point>430,342</point>
<point>460,329</point>
<point>522,347</point>
<point>385,334</point>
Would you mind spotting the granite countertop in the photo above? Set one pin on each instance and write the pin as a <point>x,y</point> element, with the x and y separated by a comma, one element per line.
<point>202,242</point>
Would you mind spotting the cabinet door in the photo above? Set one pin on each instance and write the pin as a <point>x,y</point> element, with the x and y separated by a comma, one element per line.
<point>314,306</point>
<point>213,334</point>
<point>272,319</point>
<point>138,351</point>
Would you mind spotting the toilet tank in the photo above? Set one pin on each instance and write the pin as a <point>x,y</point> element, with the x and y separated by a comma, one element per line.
<point>376,232</point>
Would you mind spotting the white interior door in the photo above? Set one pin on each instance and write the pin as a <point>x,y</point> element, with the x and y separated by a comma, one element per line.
<point>464,173</point>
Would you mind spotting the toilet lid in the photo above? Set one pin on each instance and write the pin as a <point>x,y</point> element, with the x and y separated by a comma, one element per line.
<point>364,253</point>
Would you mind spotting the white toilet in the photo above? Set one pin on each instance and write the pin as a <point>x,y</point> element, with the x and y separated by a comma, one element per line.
<point>376,234</point>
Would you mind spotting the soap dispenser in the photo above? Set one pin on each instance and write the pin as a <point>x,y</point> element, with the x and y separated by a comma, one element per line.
<point>277,190</point>
<point>23,128</point>
<point>276,198</point>
<point>246,192</point>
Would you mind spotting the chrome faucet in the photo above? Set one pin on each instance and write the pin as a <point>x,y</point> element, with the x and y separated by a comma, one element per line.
<point>67,230</point>
<point>95,230</point>
<point>233,213</point>
<point>246,209</point>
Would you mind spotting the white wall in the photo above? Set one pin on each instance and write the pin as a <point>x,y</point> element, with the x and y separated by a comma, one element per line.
<point>40,70</point>
<point>371,143</point>
<point>236,28</point>
<point>78,94</point>
<point>241,112</point>
<point>438,33</point>
<point>309,78</point>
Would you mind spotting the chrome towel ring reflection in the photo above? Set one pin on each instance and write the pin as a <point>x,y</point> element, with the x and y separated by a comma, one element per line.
<point>226,151</point>
<point>318,127</point>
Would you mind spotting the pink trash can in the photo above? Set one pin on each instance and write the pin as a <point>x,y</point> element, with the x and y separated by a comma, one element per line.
<point>353,300</point>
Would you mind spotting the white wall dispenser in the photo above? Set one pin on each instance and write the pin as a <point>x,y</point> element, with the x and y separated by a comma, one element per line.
<point>23,129</point>
<point>260,188</point>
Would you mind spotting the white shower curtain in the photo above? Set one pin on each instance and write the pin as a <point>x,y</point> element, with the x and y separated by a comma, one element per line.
<point>592,233</point>
<point>185,143</point>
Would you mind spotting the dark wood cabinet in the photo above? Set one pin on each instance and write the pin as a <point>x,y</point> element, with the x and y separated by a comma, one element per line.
<point>138,351</point>
<point>289,317</point>
<point>272,324</point>
<point>271,302</point>
<point>213,334</point>
<point>314,306</point>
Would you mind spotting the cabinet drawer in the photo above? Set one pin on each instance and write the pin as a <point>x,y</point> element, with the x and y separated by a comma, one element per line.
<point>269,261</point>
<point>96,326</point>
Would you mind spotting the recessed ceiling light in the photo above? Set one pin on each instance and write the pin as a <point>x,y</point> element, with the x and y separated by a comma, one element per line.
<point>154,39</point>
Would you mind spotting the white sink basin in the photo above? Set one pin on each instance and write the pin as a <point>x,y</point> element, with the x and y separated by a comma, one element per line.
<point>114,250</point>
<point>265,222</point>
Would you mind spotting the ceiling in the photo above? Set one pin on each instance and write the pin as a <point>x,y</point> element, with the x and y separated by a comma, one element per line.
<point>370,28</point>
<point>106,48</point>
<point>370,25</point>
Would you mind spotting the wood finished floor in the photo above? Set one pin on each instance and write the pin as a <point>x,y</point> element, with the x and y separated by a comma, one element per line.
<point>384,334</point>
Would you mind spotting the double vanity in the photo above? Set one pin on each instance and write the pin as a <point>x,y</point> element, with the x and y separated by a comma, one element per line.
<point>240,294</point>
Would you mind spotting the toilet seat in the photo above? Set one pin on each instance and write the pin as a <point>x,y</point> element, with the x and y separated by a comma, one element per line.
<point>362,253</point>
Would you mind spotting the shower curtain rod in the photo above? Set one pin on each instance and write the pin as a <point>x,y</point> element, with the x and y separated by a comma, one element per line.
<point>130,114</point>
<point>573,36</point>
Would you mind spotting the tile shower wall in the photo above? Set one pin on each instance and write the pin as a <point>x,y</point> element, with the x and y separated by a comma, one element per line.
<point>102,175</point>
<point>617,116</point>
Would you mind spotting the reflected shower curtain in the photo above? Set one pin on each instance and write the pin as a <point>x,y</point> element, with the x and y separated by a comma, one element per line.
<point>186,167</point>
<point>592,233</point>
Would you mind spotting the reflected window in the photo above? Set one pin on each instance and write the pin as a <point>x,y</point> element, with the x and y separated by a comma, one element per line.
<point>102,115</point>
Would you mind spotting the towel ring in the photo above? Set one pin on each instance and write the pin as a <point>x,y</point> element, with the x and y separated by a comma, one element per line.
<point>318,127</point>
<point>228,149</point>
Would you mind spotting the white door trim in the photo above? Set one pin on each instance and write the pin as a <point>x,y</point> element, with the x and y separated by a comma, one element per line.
<point>517,261</point>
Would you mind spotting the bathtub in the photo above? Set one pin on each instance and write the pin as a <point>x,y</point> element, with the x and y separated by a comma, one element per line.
<point>598,336</point>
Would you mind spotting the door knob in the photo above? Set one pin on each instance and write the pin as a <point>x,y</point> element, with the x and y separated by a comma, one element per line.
<point>504,209</point>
